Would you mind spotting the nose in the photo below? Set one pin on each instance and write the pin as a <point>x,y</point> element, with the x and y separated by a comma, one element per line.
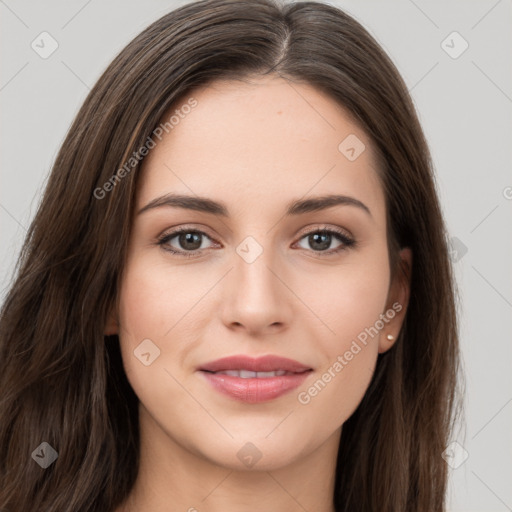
<point>257,299</point>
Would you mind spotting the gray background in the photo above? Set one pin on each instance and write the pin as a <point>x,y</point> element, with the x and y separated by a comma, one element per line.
<point>464,104</point>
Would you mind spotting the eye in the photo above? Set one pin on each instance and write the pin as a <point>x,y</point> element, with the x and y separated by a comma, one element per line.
<point>321,239</point>
<point>189,241</point>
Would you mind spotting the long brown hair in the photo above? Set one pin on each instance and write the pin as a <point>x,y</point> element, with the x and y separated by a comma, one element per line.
<point>62,381</point>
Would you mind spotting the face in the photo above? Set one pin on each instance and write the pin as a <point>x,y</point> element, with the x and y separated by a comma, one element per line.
<point>257,275</point>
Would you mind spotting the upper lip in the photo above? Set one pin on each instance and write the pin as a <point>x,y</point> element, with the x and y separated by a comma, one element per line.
<point>267,363</point>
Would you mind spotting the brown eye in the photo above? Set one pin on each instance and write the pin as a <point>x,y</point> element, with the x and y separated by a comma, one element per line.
<point>321,240</point>
<point>184,241</point>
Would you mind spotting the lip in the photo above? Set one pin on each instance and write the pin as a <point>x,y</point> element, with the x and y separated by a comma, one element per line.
<point>268,363</point>
<point>255,390</point>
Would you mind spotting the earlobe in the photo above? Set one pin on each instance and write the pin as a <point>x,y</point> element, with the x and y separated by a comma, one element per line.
<point>398,300</point>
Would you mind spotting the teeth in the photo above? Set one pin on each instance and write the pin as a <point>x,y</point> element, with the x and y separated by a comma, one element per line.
<point>247,374</point>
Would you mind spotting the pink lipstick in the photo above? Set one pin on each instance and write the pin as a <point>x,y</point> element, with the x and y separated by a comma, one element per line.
<point>255,380</point>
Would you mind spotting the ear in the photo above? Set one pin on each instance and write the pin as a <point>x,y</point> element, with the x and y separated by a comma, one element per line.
<point>398,300</point>
<point>112,325</point>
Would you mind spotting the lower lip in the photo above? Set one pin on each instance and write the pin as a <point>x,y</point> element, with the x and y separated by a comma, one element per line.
<point>255,390</point>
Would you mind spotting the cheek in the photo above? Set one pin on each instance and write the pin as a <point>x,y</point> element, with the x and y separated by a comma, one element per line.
<point>141,318</point>
<point>155,298</point>
<point>349,355</point>
<point>350,303</point>
<point>160,304</point>
<point>346,300</point>
<point>149,307</point>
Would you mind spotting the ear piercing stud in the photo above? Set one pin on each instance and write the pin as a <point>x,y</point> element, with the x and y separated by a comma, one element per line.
<point>390,337</point>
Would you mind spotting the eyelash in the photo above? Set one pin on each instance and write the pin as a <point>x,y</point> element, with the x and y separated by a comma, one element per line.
<point>338,234</point>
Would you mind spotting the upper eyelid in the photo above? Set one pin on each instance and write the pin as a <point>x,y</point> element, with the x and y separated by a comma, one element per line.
<point>172,232</point>
<point>323,227</point>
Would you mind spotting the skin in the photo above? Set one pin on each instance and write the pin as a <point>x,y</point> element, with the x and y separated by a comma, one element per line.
<point>256,147</point>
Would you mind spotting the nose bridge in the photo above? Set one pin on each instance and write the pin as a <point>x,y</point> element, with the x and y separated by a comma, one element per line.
<point>252,272</point>
<point>257,299</point>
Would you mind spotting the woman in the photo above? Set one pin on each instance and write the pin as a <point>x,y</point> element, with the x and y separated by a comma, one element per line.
<point>236,293</point>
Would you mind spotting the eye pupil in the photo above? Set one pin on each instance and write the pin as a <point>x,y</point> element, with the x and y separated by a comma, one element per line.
<point>190,237</point>
<point>324,239</point>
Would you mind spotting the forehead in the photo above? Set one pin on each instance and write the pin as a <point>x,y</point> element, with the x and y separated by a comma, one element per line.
<point>262,142</point>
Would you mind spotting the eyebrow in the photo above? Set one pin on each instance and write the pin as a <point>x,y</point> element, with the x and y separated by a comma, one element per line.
<point>298,207</point>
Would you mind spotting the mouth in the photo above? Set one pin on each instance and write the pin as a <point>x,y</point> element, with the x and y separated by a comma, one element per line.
<point>247,374</point>
<point>254,380</point>
<point>259,365</point>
